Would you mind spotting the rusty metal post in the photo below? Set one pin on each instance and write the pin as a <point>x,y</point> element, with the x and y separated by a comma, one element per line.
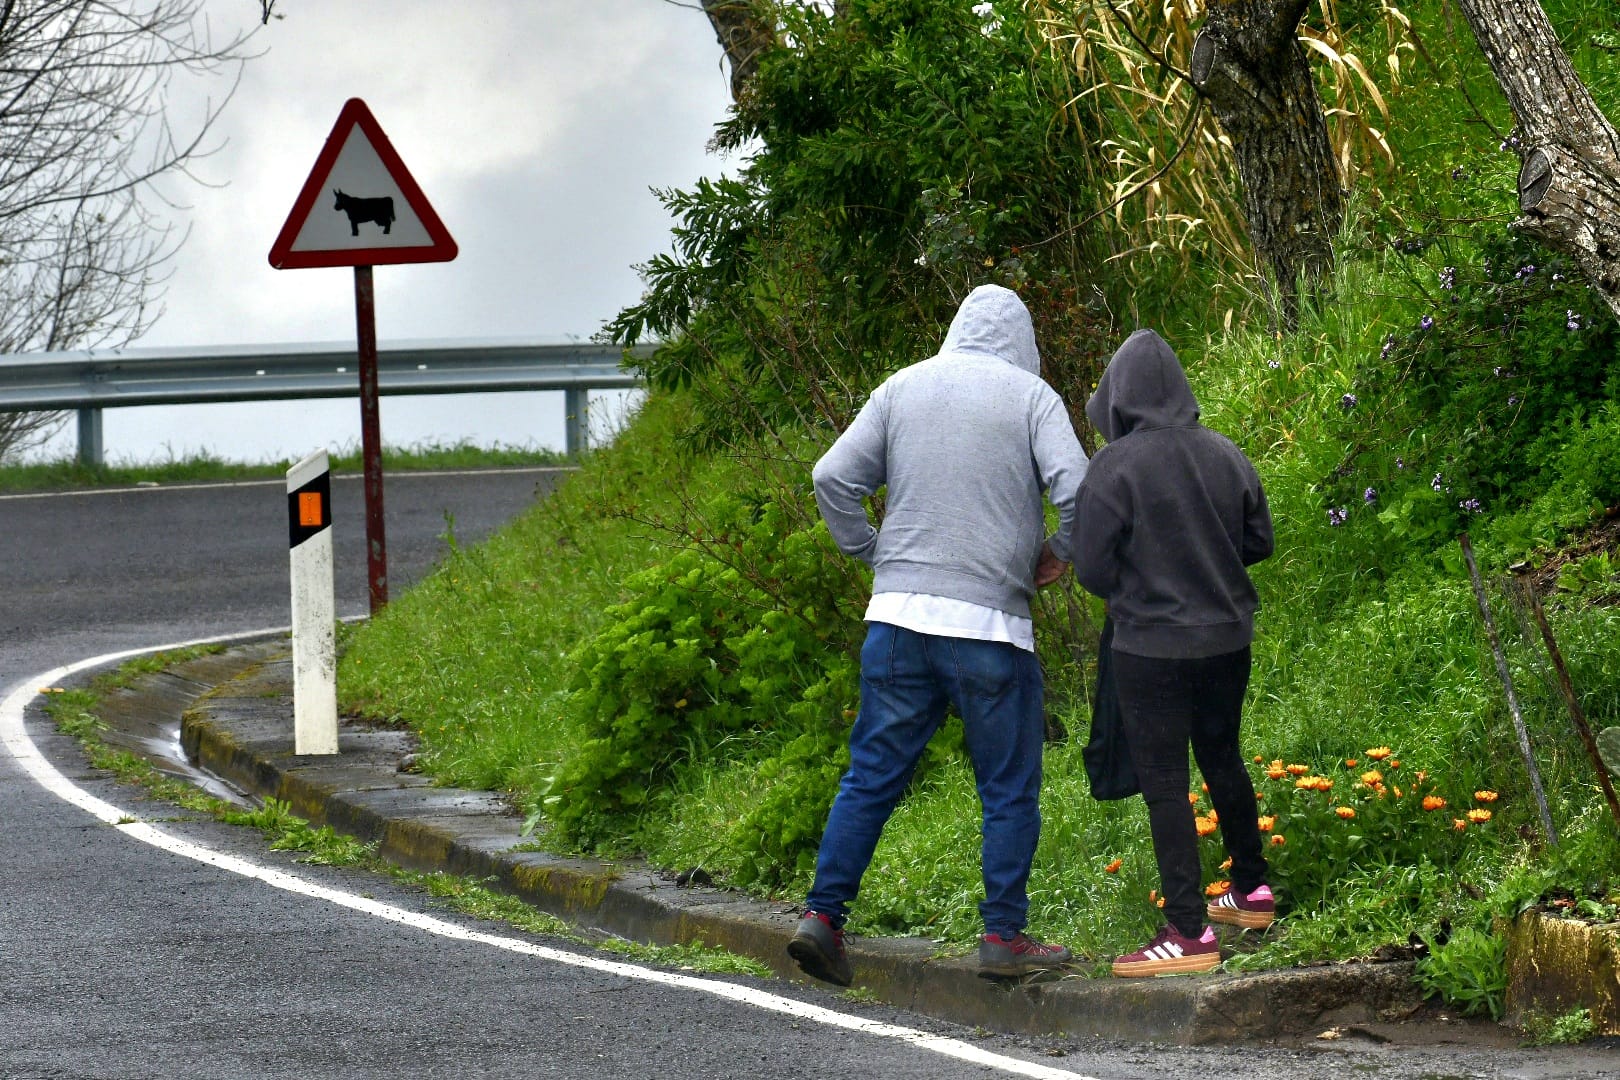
<point>1507,685</point>
<point>371,438</point>
<point>1567,688</point>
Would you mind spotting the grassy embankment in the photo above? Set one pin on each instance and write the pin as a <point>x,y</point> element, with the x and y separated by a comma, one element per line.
<point>656,659</point>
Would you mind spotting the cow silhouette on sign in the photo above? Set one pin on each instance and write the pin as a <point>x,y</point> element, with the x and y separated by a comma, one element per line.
<point>380,211</point>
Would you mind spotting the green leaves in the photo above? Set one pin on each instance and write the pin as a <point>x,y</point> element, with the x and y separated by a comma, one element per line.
<point>733,643</point>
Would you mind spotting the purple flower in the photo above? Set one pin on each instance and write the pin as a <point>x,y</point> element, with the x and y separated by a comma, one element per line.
<point>1448,277</point>
<point>1400,463</point>
<point>1573,320</point>
<point>1273,364</point>
<point>1499,371</point>
<point>1470,505</point>
<point>1438,483</point>
<point>1370,496</point>
<point>1525,271</point>
<point>1348,402</point>
<point>1426,323</point>
<point>1457,173</point>
<point>1513,399</point>
<point>1389,347</point>
<point>1337,516</point>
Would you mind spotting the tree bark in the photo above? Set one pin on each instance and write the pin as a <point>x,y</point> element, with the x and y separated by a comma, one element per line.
<point>1569,172</point>
<point>743,34</point>
<point>1249,65</point>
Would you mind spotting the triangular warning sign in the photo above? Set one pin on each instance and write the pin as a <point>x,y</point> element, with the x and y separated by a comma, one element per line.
<point>360,206</point>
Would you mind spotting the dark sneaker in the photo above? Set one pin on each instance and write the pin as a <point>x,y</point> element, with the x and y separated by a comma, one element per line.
<point>1171,954</point>
<point>1001,957</point>
<point>1255,911</point>
<point>818,948</point>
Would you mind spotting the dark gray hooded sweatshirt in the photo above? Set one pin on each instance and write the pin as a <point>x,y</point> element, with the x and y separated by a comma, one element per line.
<point>967,442</point>
<point>1174,513</point>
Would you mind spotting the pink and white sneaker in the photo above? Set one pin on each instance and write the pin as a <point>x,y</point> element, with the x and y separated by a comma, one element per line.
<point>1256,911</point>
<point>1171,954</point>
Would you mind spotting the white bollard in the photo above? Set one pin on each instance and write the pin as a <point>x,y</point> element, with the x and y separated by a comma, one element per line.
<point>314,641</point>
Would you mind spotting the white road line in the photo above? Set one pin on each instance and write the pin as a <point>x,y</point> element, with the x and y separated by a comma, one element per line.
<point>396,475</point>
<point>14,735</point>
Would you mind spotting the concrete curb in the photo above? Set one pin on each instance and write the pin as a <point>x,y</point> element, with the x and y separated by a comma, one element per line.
<point>237,724</point>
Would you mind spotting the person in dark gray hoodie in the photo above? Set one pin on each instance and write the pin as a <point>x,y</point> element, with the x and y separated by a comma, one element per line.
<point>966,442</point>
<point>1174,515</point>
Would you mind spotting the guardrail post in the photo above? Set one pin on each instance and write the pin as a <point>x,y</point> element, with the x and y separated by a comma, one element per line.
<point>90,455</point>
<point>576,430</point>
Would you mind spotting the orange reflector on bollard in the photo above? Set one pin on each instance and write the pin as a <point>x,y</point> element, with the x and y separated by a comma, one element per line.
<point>309,509</point>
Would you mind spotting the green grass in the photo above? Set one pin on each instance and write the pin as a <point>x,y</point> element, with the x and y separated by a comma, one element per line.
<point>67,473</point>
<point>1351,655</point>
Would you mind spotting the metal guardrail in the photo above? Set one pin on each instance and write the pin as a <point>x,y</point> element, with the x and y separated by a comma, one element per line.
<point>92,380</point>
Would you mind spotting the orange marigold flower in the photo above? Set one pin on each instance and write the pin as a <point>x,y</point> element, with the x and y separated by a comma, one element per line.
<point>1258,760</point>
<point>1459,824</point>
<point>1349,762</point>
<point>1398,793</point>
<point>1484,796</point>
<point>1279,839</point>
<point>1479,817</point>
<point>1214,817</point>
<point>1344,812</point>
<point>1192,797</point>
<point>1433,802</point>
<point>1314,783</point>
<point>1394,763</point>
<point>1371,777</point>
<point>1259,795</point>
<point>1422,776</point>
<point>1204,788</point>
<point>1267,821</point>
<point>1276,772</point>
<point>1379,753</point>
<point>1113,867</point>
<point>1227,865</point>
<point>1217,888</point>
<point>1299,770</point>
<point>1204,825</point>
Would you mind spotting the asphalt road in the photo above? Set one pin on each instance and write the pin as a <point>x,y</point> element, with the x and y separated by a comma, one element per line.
<point>122,960</point>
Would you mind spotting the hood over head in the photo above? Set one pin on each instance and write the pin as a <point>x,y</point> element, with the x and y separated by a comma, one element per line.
<point>1143,386</point>
<point>993,321</point>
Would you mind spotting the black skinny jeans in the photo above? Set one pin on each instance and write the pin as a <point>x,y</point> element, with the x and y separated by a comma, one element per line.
<point>1167,704</point>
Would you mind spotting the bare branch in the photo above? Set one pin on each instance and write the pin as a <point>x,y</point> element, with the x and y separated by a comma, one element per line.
<point>84,141</point>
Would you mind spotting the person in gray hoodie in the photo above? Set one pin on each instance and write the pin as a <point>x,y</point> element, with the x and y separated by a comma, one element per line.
<point>1175,514</point>
<point>967,442</point>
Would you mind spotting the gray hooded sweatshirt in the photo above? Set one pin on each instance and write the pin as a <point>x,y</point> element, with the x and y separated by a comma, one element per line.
<point>1174,513</point>
<point>967,441</point>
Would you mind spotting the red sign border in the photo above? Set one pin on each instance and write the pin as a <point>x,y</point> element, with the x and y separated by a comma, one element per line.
<point>355,114</point>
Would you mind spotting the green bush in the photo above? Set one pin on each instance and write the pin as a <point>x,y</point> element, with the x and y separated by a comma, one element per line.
<point>739,634</point>
<point>1469,971</point>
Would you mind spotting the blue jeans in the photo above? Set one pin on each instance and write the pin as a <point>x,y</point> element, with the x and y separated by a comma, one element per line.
<point>907,680</point>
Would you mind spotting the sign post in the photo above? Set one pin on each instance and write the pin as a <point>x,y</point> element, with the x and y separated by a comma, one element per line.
<point>314,638</point>
<point>377,215</point>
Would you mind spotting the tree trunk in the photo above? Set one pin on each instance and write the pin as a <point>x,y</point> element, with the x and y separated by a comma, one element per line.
<point>1249,65</point>
<point>743,34</point>
<point>1569,173</point>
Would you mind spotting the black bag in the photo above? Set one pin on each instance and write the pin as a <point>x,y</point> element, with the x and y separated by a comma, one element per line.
<point>1107,757</point>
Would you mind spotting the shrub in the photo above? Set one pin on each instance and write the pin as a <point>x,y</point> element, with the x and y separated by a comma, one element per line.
<point>712,643</point>
<point>1468,971</point>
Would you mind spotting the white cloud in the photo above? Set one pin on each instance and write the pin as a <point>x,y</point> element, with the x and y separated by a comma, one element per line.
<point>534,127</point>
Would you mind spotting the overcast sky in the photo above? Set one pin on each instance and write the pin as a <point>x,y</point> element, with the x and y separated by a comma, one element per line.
<point>535,128</point>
